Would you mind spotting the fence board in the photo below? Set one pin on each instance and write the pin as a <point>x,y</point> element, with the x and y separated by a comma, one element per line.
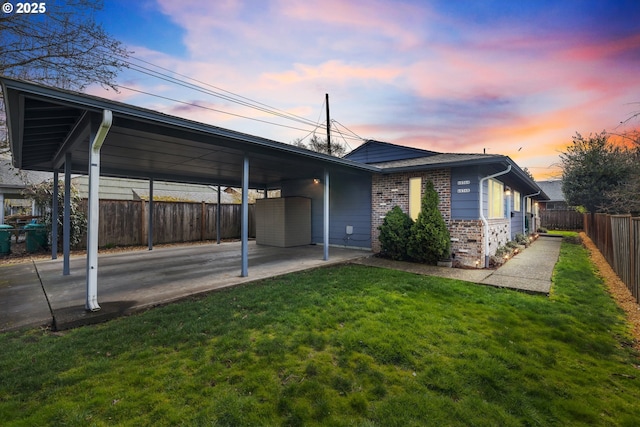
<point>124,222</point>
<point>635,270</point>
<point>561,220</point>
<point>618,239</point>
<point>621,249</point>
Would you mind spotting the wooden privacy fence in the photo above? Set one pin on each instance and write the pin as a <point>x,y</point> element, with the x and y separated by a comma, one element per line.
<point>561,220</point>
<point>618,239</point>
<point>124,222</point>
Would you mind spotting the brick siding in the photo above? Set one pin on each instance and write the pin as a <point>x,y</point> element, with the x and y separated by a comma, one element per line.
<point>393,189</point>
<point>467,235</point>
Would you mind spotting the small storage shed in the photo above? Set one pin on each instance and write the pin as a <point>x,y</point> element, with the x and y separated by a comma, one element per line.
<point>283,222</point>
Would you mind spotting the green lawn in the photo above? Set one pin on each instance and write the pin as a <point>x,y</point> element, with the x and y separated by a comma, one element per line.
<point>345,346</point>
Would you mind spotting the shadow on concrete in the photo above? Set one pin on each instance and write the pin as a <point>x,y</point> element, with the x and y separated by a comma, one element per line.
<point>77,315</point>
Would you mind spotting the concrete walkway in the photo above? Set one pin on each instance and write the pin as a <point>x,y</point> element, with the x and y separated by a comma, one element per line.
<point>37,294</point>
<point>529,271</point>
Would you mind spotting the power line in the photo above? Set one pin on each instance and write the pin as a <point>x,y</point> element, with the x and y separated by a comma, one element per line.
<point>235,98</point>
<point>207,108</point>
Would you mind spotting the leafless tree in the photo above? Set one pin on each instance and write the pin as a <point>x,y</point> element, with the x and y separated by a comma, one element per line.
<point>63,46</point>
<point>319,145</point>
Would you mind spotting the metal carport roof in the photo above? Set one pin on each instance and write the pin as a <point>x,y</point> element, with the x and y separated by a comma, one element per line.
<point>47,123</point>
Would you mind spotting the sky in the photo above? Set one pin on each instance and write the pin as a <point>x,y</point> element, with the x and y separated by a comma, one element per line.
<point>517,78</point>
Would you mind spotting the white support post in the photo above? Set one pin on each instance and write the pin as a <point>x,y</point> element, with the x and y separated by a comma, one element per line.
<point>94,212</point>
<point>1,208</point>
<point>66,220</point>
<point>218,238</point>
<point>325,216</point>
<point>150,219</point>
<point>245,217</point>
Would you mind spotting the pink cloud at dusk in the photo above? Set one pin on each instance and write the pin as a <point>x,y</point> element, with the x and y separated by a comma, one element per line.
<point>434,74</point>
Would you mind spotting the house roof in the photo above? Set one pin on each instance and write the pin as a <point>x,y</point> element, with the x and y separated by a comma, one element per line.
<point>553,189</point>
<point>391,158</point>
<point>13,180</point>
<point>376,151</point>
<point>47,124</point>
<point>439,160</point>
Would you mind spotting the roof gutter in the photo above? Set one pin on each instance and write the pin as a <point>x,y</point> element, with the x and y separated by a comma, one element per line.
<point>483,218</point>
<point>92,234</point>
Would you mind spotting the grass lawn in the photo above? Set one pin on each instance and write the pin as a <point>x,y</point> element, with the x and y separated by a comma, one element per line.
<point>344,346</point>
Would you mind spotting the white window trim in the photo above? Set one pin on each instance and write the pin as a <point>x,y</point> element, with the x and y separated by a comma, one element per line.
<point>495,198</point>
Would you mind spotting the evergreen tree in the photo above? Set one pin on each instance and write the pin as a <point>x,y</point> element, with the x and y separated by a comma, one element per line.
<point>394,234</point>
<point>430,240</point>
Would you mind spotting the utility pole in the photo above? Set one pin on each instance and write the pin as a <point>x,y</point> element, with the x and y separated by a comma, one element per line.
<point>328,125</point>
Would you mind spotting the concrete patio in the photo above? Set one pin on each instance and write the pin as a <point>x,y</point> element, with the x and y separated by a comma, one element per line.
<point>36,294</point>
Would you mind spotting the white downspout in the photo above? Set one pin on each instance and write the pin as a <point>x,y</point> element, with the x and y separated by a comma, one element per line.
<point>524,211</point>
<point>483,218</point>
<point>94,198</point>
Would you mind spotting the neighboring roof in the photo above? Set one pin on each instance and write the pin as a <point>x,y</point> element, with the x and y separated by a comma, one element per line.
<point>136,189</point>
<point>13,180</point>
<point>377,151</point>
<point>553,189</point>
<point>46,124</point>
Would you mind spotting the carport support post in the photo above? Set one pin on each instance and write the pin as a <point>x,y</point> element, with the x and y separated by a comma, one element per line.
<point>66,219</point>
<point>218,217</point>
<point>245,217</point>
<point>150,222</point>
<point>94,210</point>
<point>54,217</point>
<point>325,217</point>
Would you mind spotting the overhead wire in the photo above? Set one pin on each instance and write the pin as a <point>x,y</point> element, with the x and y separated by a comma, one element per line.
<point>232,97</point>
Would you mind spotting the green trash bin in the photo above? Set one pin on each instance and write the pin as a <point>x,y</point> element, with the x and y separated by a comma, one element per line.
<point>5,239</point>
<point>36,237</point>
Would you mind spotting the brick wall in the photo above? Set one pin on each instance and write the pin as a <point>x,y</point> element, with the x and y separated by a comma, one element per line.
<point>393,189</point>
<point>467,235</point>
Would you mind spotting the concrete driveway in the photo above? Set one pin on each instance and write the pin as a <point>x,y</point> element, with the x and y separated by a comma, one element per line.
<point>37,293</point>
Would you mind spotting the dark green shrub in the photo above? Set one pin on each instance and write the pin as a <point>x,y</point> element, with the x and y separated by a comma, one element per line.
<point>430,240</point>
<point>394,233</point>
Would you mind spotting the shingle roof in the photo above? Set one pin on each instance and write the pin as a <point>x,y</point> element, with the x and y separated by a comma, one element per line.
<point>11,177</point>
<point>437,159</point>
<point>553,189</point>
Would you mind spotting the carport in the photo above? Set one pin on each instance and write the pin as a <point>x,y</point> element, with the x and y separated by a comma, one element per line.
<point>60,131</point>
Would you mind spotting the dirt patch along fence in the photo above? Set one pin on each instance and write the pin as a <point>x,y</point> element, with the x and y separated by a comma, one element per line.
<point>125,222</point>
<point>561,220</point>
<point>618,239</point>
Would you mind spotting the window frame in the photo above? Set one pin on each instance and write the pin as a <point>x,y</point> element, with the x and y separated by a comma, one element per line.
<point>517,201</point>
<point>495,199</point>
<point>415,197</point>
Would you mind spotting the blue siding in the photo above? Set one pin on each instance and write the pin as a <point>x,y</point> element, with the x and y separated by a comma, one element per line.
<point>376,152</point>
<point>349,204</point>
<point>516,216</point>
<point>464,193</point>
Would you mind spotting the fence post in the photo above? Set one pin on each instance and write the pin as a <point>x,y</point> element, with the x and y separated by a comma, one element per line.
<point>202,223</point>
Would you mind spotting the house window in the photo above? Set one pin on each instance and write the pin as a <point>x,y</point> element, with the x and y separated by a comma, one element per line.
<point>415,193</point>
<point>496,199</point>
<point>516,201</point>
